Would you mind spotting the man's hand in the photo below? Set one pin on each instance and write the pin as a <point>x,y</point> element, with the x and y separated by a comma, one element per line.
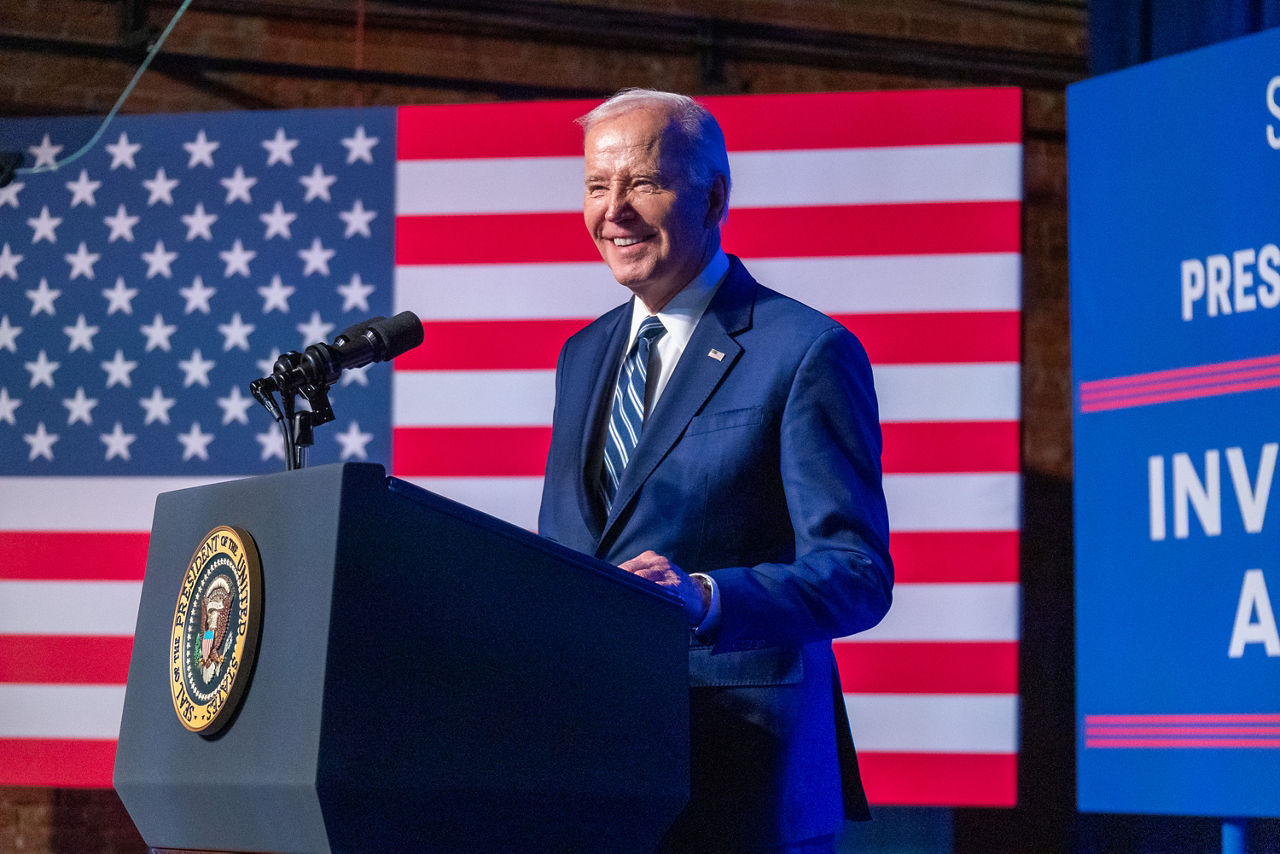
<point>663,572</point>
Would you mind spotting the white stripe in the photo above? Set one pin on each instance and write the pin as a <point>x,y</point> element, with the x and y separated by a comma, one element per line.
<point>69,607</point>
<point>959,392</point>
<point>61,711</point>
<point>101,503</point>
<point>934,723</point>
<point>513,499</point>
<point>942,502</point>
<point>586,290</point>
<point>953,502</point>
<point>761,179</point>
<point>472,398</point>
<point>907,393</point>
<point>949,612</point>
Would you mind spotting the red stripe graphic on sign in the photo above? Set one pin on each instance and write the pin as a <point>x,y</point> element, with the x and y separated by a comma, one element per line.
<point>818,231</point>
<point>928,668</point>
<point>1183,731</point>
<point>1188,383</point>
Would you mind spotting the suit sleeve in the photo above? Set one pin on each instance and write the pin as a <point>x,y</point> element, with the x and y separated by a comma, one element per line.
<point>841,579</point>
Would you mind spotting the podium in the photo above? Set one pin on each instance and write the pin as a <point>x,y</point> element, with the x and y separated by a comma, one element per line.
<point>427,678</point>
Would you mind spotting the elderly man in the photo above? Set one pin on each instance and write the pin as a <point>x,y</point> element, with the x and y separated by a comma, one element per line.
<point>722,440</point>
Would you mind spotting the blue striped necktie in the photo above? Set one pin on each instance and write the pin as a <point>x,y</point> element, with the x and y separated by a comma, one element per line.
<point>626,416</point>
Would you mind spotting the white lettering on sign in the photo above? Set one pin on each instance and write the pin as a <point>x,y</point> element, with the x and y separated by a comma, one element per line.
<point>1254,600</point>
<point>1273,107</point>
<point>1231,284</point>
<point>1203,494</point>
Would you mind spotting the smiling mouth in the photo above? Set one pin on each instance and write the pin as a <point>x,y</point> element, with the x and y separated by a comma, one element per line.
<point>627,241</point>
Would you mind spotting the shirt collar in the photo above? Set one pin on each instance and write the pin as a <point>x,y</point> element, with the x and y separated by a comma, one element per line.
<point>681,314</point>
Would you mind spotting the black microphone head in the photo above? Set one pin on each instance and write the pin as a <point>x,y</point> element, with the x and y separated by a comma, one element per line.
<point>399,334</point>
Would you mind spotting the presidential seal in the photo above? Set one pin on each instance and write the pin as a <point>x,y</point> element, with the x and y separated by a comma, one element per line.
<point>215,629</point>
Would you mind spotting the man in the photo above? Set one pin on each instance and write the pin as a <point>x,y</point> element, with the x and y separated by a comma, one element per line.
<point>731,455</point>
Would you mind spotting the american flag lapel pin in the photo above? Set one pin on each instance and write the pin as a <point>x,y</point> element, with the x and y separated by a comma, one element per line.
<point>716,354</point>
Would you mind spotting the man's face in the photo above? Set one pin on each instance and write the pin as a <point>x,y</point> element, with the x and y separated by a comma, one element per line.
<point>652,228</point>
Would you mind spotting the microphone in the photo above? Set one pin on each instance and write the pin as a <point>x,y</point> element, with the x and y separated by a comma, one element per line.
<point>9,163</point>
<point>375,340</point>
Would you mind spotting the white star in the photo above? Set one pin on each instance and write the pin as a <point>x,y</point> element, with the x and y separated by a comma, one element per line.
<point>237,259</point>
<point>198,222</point>
<point>161,188</point>
<point>79,408</point>
<point>117,442</point>
<point>82,189</point>
<point>314,330</point>
<point>278,222</point>
<point>235,406</point>
<point>355,294</point>
<point>197,296</point>
<point>276,295</point>
<point>280,148</point>
<point>122,152</point>
<point>272,444</point>
<point>120,298</point>
<point>8,405</point>
<point>316,258</point>
<point>359,146</point>
<point>236,333</point>
<point>195,443</point>
<point>41,441</point>
<point>118,370</point>
<point>81,335</point>
<point>46,153</point>
<point>201,150</point>
<point>42,298</point>
<point>44,225</point>
<point>9,335</point>
<point>356,376</point>
<point>158,334</point>
<point>196,370</point>
<point>353,442</point>
<point>41,370</point>
<point>317,184</point>
<point>9,194</point>
<point>238,186</point>
<point>267,365</point>
<point>159,261</point>
<point>82,261</point>
<point>357,219</point>
<point>121,225</point>
<point>157,407</point>
<point>9,263</point>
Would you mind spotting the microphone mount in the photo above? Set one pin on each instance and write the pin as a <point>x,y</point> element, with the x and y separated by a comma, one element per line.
<point>310,374</point>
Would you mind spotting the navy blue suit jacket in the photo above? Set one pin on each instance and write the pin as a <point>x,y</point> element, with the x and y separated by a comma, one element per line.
<point>760,467</point>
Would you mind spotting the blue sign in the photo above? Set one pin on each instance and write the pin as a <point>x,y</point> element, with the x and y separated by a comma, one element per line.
<point>1175,311</point>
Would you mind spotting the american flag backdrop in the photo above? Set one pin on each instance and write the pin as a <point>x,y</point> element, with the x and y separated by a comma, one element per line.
<point>143,286</point>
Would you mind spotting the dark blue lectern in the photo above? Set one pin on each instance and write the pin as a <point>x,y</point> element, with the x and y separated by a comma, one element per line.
<point>427,678</point>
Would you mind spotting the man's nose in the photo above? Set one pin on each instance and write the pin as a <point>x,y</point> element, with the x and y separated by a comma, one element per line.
<point>619,204</point>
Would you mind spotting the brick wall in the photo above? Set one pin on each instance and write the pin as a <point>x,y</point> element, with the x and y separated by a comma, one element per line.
<point>62,57</point>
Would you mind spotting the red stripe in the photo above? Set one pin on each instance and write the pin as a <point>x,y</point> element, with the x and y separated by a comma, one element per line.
<point>1191,743</point>
<point>929,337</point>
<point>1266,718</point>
<point>1181,730</point>
<point>489,345</point>
<point>65,763</point>
<point>950,446</point>
<point>73,555</point>
<point>1178,373</point>
<point>954,556</point>
<point>821,231</point>
<point>750,123</point>
<point>1215,390</point>
<point>940,779</point>
<point>470,451</point>
<point>928,668</point>
<point>522,451</point>
<point>65,659</point>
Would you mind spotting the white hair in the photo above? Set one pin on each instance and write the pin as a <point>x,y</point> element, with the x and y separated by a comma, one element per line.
<point>698,130</point>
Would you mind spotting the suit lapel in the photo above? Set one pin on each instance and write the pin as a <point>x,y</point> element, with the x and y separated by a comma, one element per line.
<point>695,378</point>
<point>599,359</point>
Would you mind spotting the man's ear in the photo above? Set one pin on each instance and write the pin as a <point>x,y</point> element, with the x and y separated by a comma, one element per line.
<point>717,201</point>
